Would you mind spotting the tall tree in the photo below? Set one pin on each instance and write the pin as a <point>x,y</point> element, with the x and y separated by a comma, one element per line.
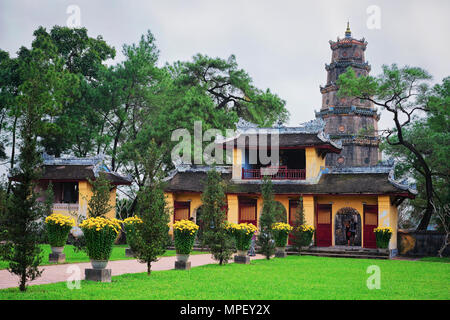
<point>215,236</point>
<point>232,89</point>
<point>41,91</point>
<point>403,92</point>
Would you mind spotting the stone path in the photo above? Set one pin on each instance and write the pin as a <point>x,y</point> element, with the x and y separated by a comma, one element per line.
<point>62,272</point>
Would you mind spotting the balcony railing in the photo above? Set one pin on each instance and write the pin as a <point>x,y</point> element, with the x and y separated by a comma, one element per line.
<point>66,206</point>
<point>275,173</point>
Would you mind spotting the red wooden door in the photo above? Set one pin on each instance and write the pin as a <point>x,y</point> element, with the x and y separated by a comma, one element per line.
<point>370,223</point>
<point>247,211</point>
<point>323,223</point>
<point>293,207</point>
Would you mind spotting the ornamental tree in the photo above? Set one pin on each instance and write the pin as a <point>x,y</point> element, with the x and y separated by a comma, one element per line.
<point>215,235</point>
<point>151,236</point>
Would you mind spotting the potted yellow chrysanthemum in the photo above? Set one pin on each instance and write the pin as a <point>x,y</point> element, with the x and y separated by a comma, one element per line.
<point>130,225</point>
<point>242,234</point>
<point>281,232</point>
<point>383,236</point>
<point>100,234</point>
<point>58,228</point>
<point>184,235</point>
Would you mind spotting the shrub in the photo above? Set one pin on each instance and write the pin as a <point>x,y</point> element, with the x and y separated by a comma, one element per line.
<point>383,236</point>
<point>242,233</point>
<point>184,234</point>
<point>58,228</point>
<point>99,234</point>
<point>281,232</point>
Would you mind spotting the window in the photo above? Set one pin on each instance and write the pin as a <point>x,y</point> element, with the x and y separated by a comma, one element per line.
<point>65,192</point>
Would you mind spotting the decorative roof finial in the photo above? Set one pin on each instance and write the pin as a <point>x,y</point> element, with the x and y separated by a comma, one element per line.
<point>348,33</point>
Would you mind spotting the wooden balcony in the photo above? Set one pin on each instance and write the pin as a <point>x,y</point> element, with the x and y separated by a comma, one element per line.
<point>275,173</point>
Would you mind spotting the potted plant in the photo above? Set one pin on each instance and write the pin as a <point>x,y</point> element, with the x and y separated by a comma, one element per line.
<point>129,225</point>
<point>243,234</point>
<point>281,232</point>
<point>99,234</point>
<point>184,236</point>
<point>303,235</point>
<point>58,228</point>
<point>383,236</point>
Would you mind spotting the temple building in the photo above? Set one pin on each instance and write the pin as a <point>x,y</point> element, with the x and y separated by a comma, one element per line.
<point>331,164</point>
<point>70,183</point>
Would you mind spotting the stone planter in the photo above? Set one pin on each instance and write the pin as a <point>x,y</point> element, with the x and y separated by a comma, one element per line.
<point>280,252</point>
<point>182,262</point>
<point>242,253</point>
<point>57,250</point>
<point>57,255</point>
<point>129,252</point>
<point>242,257</point>
<point>99,264</point>
<point>182,257</point>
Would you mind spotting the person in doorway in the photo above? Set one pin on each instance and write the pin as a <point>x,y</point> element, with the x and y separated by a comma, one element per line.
<point>348,234</point>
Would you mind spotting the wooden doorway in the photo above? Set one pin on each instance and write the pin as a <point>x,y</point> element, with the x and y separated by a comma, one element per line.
<point>182,210</point>
<point>247,211</point>
<point>323,223</point>
<point>370,223</point>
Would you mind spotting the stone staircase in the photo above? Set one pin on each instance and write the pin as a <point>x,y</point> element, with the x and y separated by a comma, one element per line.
<point>344,252</point>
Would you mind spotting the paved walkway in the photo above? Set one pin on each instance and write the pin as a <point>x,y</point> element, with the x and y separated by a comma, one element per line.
<point>61,272</point>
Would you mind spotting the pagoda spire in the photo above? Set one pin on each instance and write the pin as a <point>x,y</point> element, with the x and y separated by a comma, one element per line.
<point>348,33</point>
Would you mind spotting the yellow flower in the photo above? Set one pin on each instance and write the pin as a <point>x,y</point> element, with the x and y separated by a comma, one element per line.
<point>60,219</point>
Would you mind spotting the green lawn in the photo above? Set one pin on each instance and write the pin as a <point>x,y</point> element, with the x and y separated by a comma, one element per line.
<point>118,253</point>
<point>295,277</point>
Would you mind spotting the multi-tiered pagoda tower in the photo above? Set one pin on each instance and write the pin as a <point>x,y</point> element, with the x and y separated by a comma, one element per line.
<point>353,121</point>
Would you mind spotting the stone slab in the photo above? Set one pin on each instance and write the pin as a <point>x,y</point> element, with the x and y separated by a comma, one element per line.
<point>102,275</point>
<point>280,254</point>
<point>57,257</point>
<point>241,259</point>
<point>182,265</point>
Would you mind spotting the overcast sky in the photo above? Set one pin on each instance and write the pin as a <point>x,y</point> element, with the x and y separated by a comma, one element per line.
<point>283,45</point>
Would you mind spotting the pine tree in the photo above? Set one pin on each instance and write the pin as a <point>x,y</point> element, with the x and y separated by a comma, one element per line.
<point>267,219</point>
<point>150,240</point>
<point>215,236</point>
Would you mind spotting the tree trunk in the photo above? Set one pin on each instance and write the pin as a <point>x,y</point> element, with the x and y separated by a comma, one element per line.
<point>23,281</point>
<point>13,150</point>
<point>149,268</point>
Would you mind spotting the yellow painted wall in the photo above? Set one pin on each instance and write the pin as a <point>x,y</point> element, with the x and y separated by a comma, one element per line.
<point>387,212</point>
<point>84,194</point>
<point>313,163</point>
<point>233,208</point>
<point>237,164</point>
<point>388,217</point>
<point>339,202</point>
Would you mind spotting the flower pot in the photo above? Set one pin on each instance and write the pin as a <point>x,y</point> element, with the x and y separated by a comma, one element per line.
<point>57,250</point>
<point>182,257</point>
<point>99,264</point>
<point>242,253</point>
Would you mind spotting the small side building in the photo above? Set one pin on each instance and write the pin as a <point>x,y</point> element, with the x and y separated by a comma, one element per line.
<point>70,180</point>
